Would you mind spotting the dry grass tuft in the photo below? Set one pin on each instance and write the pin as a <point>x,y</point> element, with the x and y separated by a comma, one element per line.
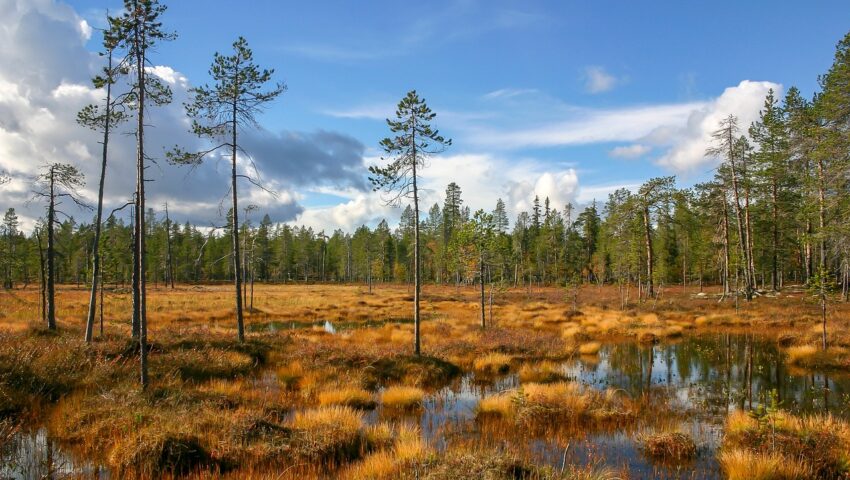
<point>493,363</point>
<point>589,348</point>
<point>670,447</point>
<point>739,464</point>
<point>347,396</point>
<point>540,372</point>
<point>402,398</point>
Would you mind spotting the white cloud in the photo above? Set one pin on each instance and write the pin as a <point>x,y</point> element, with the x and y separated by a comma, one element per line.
<point>45,76</point>
<point>630,151</point>
<point>689,142</point>
<point>587,126</point>
<point>508,93</point>
<point>597,80</point>
<point>482,178</point>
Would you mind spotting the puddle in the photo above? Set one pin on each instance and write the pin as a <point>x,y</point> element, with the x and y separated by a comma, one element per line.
<point>700,378</point>
<point>326,325</point>
<point>32,454</point>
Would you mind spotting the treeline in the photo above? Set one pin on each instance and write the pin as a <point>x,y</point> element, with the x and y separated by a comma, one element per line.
<point>775,212</point>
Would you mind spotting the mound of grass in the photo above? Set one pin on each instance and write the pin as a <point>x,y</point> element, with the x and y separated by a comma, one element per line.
<point>155,454</point>
<point>589,348</point>
<point>201,365</point>
<point>537,403</point>
<point>669,447</point>
<point>420,370</point>
<point>402,398</point>
<point>819,444</point>
<point>327,433</point>
<point>740,464</point>
<point>810,356</point>
<point>348,396</point>
<point>493,363</point>
<point>541,372</point>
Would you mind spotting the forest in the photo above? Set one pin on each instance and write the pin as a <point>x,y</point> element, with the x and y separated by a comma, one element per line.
<point>667,331</point>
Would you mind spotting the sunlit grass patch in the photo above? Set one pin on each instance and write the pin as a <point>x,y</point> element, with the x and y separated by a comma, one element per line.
<point>332,432</point>
<point>347,396</point>
<point>493,363</point>
<point>402,398</point>
<point>589,348</point>
<point>669,446</point>
<point>820,444</point>
<point>739,464</point>
<point>811,356</point>
<point>540,372</point>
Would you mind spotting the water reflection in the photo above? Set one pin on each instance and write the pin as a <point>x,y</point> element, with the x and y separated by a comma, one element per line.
<point>700,379</point>
<point>32,454</point>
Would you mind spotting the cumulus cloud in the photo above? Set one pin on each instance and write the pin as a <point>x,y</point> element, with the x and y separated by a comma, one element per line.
<point>689,141</point>
<point>483,178</point>
<point>45,73</point>
<point>598,80</point>
<point>630,151</point>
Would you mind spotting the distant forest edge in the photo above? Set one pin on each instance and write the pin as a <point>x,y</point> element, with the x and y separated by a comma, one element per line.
<point>775,212</point>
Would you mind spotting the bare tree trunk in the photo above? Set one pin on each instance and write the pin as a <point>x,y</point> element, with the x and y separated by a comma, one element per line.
<point>648,238</point>
<point>169,257</point>
<point>51,257</point>
<point>99,214</point>
<point>481,281</point>
<point>417,280</point>
<point>237,267</point>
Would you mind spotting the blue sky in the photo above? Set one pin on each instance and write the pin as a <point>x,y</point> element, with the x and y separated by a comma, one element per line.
<point>566,99</point>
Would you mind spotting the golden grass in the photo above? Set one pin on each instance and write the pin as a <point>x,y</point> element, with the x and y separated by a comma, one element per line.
<point>347,396</point>
<point>739,464</point>
<point>402,397</point>
<point>493,363</point>
<point>811,356</point>
<point>818,444</point>
<point>669,446</point>
<point>500,404</point>
<point>540,372</point>
<point>589,348</point>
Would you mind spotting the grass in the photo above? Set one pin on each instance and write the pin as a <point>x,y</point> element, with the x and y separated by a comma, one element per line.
<point>402,398</point>
<point>493,363</point>
<point>328,433</point>
<point>289,402</point>
<point>348,396</point>
<point>739,464</point>
<point>589,348</point>
<point>819,444</point>
<point>566,401</point>
<point>810,356</point>
<point>540,372</point>
<point>674,447</point>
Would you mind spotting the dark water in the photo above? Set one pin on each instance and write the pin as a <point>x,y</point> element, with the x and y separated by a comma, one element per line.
<point>695,382</point>
<point>32,455</point>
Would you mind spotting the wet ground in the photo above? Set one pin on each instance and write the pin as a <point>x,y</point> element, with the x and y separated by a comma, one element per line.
<point>688,385</point>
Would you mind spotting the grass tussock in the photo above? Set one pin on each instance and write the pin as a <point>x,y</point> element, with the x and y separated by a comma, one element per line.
<point>672,447</point>
<point>566,401</point>
<point>493,363</point>
<point>402,398</point>
<point>589,348</point>
<point>819,444</point>
<point>541,372</point>
<point>347,396</point>
<point>328,433</point>
<point>810,356</point>
<point>741,464</point>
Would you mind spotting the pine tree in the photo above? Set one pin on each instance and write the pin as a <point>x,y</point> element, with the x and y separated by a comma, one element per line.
<point>413,142</point>
<point>218,112</point>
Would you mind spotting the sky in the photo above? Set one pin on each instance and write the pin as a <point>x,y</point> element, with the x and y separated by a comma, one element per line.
<point>563,99</point>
